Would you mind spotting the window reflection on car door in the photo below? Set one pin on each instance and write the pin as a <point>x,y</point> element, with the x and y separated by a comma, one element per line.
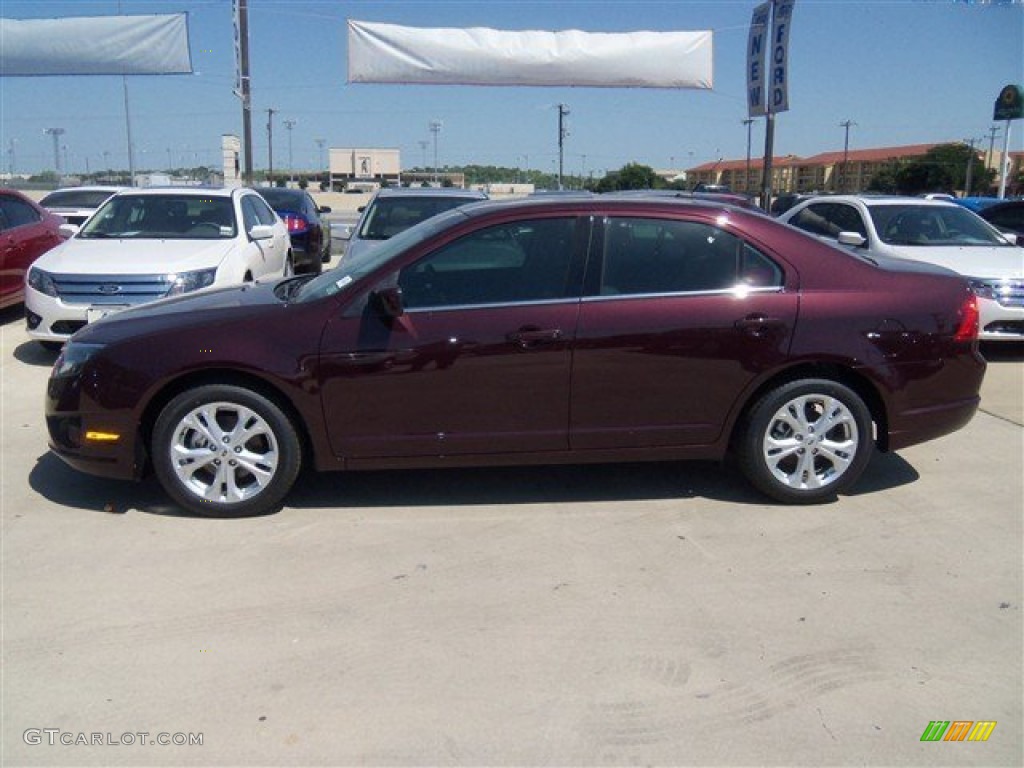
<point>679,317</point>
<point>480,360</point>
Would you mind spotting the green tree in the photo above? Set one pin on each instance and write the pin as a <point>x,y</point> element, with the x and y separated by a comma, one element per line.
<point>941,169</point>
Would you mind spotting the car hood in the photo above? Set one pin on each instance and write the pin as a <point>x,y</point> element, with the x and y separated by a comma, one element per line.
<point>79,256</point>
<point>969,260</point>
<point>212,306</point>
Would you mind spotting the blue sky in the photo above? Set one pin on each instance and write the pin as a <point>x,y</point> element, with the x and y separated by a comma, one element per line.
<point>905,71</point>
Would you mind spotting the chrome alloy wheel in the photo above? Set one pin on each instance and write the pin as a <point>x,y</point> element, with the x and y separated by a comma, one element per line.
<point>224,452</point>
<point>810,442</point>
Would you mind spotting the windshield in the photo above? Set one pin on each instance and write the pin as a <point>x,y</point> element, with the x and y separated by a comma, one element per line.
<point>163,217</point>
<point>388,216</point>
<point>932,225</point>
<point>350,270</point>
<point>76,198</point>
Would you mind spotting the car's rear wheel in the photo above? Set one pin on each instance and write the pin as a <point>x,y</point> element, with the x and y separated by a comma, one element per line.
<point>225,451</point>
<point>806,441</point>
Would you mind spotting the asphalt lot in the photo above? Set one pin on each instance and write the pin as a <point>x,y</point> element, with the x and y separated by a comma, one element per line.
<point>629,614</point>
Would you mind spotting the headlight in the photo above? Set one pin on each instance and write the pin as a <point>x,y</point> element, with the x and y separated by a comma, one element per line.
<point>72,358</point>
<point>42,282</point>
<point>184,282</point>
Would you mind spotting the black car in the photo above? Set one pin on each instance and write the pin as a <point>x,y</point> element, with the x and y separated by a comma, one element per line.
<point>310,234</point>
<point>1007,217</point>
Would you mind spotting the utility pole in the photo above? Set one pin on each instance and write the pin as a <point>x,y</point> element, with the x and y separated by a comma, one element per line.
<point>846,152</point>
<point>270,146</point>
<point>992,133</point>
<point>56,133</point>
<point>242,30</point>
<point>563,131</point>
<point>746,179</point>
<point>289,124</point>
<point>435,128</point>
<point>423,148</point>
<point>970,167</point>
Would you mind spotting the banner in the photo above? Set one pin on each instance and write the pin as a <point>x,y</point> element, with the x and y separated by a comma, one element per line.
<point>756,44</point>
<point>386,53</point>
<point>779,69</point>
<point>96,45</point>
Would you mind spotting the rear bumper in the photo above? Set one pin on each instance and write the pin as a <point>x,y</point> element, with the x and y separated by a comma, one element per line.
<point>922,424</point>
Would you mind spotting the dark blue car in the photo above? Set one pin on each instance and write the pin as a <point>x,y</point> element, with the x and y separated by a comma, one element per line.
<point>310,234</point>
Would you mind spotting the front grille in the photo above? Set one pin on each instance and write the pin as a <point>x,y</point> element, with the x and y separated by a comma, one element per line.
<point>1006,327</point>
<point>110,289</point>
<point>1008,293</point>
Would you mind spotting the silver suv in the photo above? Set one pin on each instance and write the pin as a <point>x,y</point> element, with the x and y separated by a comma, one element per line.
<point>391,211</point>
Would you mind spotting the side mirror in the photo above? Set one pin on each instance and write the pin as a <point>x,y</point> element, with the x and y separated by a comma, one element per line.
<point>360,209</point>
<point>343,232</point>
<point>853,239</point>
<point>262,232</point>
<point>324,209</point>
<point>68,230</point>
<point>390,301</point>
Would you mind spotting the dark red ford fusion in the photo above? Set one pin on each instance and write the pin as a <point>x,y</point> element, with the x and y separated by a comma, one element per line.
<point>551,331</point>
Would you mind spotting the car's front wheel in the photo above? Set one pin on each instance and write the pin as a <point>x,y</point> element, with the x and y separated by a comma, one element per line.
<point>806,441</point>
<point>225,451</point>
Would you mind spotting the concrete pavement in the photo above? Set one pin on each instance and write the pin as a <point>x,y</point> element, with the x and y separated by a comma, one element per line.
<point>633,614</point>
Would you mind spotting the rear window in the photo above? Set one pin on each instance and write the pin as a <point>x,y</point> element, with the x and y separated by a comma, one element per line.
<point>387,216</point>
<point>75,198</point>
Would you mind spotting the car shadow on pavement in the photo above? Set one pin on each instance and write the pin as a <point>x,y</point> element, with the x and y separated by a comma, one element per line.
<point>33,353</point>
<point>1003,351</point>
<point>57,482</point>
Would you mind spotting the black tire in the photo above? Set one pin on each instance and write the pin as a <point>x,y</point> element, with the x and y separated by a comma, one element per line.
<point>244,452</point>
<point>784,451</point>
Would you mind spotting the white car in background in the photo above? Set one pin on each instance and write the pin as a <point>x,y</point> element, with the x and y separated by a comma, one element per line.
<point>76,204</point>
<point>934,231</point>
<point>147,244</point>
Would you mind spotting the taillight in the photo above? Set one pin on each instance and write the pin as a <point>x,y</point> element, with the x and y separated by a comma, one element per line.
<point>295,224</point>
<point>969,319</point>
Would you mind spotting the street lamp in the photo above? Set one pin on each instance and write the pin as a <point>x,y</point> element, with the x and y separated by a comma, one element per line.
<point>746,180</point>
<point>846,152</point>
<point>289,124</point>
<point>435,128</point>
<point>56,133</point>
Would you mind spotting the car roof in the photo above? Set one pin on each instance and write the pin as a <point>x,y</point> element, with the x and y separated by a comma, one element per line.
<point>472,194</point>
<point>874,200</point>
<point>580,204</point>
<point>187,191</point>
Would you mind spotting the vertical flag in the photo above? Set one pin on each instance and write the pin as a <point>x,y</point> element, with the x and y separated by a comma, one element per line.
<point>755,59</point>
<point>779,69</point>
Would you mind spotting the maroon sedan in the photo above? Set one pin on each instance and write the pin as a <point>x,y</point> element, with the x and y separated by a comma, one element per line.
<point>27,231</point>
<point>531,332</point>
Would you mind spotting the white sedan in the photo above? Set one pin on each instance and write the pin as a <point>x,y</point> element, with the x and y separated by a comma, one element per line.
<point>147,244</point>
<point>935,231</point>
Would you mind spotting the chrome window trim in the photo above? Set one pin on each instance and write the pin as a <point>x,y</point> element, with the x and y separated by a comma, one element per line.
<point>670,294</point>
<point>492,305</point>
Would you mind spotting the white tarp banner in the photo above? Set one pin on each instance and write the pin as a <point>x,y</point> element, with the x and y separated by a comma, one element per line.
<point>386,53</point>
<point>96,45</point>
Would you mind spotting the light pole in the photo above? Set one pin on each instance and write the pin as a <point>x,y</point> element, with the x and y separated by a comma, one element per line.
<point>435,128</point>
<point>320,143</point>
<point>746,179</point>
<point>289,124</point>
<point>846,152</point>
<point>563,131</point>
<point>56,133</point>
<point>270,146</point>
